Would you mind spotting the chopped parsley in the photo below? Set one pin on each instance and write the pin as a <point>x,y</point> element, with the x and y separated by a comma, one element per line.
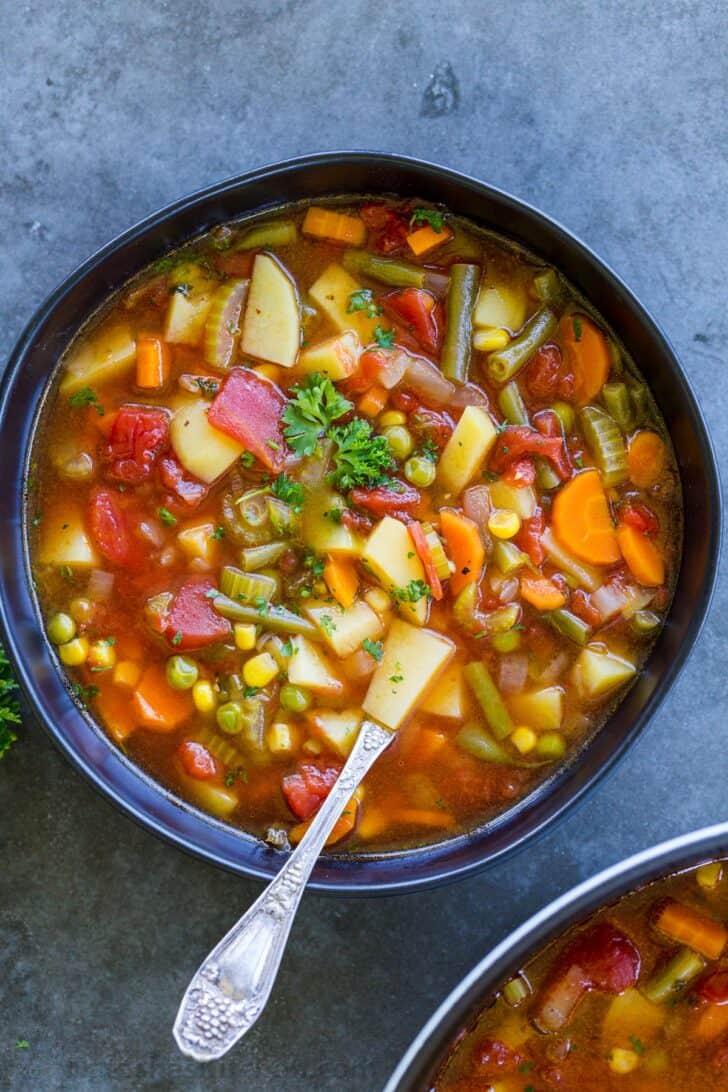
<point>9,706</point>
<point>218,533</point>
<point>435,219</point>
<point>312,411</point>
<point>166,517</point>
<point>84,694</point>
<point>327,624</point>
<point>86,397</point>
<point>315,564</point>
<point>177,639</point>
<point>490,476</point>
<point>360,458</point>
<point>374,648</point>
<point>384,338</point>
<point>412,593</point>
<point>247,459</point>
<point>363,300</point>
<point>287,647</point>
<point>429,450</point>
<point>576,323</point>
<point>398,677</point>
<point>208,388</point>
<point>334,514</point>
<point>250,691</point>
<point>637,1045</point>
<point>21,1044</point>
<point>289,491</point>
<point>579,462</point>
<point>240,774</point>
<point>273,445</point>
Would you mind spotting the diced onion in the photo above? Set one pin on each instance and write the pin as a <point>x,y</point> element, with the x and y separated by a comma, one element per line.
<point>152,531</point>
<point>513,672</point>
<point>477,505</point>
<point>612,599</point>
<point>467,395</point>
<point>426,380</point>
<point>100,585</point>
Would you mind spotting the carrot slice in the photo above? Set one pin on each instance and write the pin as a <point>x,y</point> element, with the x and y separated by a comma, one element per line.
<point>326,224</point>
<point>465,548</point>
<point>156,705</point>
<point>646,458</point>
<point>643,558</point>
<point>426,238</point>
<point>713,1020</point>
<point>582,522</point>
<point>117,713</point>
<point>373,402</point>
<point>343,825</point>
<point>586,352</point>
<point>696,930</point>
<point>153,361</point>
<point>425,555</point>
<point>541,592</point>
<point>341,580</point>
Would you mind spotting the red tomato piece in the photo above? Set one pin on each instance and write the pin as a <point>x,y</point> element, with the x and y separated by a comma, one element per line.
<point>388,228</point>
<point>518,440</point>
<point>417,309</point>
<point>520,473</point>
<point>356,521</point>
<point>493,1059</point>
<point>250,408</point>
<point>638,515</point>
<point>197,761</point>
<point>714,987</point>
<point>109,525</point>
<point>384,499</point>
<point>528,537</point>
<point>307,788</point>
<point>425,555</point>
<point>547,377</point>
<point>186,490</point>
<point>138,437</point>
<point>192,621</point>
<point>372,363</point>
<point>581,606</point>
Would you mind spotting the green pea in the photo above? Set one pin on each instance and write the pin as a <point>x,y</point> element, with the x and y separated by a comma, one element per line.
<point>230,717</point>
<point>294,698</point>
<point>509,641</point>
<point>61,629</point>
<point>182,672</point>
<point>400,440</point>
<point>419,471</point>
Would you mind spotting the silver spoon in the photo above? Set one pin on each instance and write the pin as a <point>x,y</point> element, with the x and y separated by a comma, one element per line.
<point>231,987</point>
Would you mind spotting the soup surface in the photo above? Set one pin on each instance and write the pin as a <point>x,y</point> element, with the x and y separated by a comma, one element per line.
<point>360,458</point>
<point>635,999</point>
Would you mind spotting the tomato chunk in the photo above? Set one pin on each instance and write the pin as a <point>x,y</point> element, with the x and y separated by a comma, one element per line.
<point>520,473</point>
<point>385,499</point>
<point>197,761</point>
<point>109,525</point>
<point>547,377</point>
<point>714,987</point>
<point>307,788</point>
<point>249,408</point>
<point>639,516</point>
<point>528,538</point>
<point>186,490</point>
<point>418,311</point>
<point>138,437</point>
<point>388,229</point>
<point>192,621</point>
<point>518,440</point>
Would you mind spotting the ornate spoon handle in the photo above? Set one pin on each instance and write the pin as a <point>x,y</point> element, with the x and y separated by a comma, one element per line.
<point>231,987</point>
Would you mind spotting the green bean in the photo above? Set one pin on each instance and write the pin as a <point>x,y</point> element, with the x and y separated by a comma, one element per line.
<point>475,741</point>
<point>503,364</point>
<point>606,443</point>
<point>640,401</point>
<point>507,557</point>
<point>516,990</point>
<point>615,357</point>
<point>673,977</point>
<point>461,296</point>
<point>488,696</point>
<point>259,557</point>
<point>274,233</point>
<point>547,286</point>
<point>387,270</point>
<point>616,400</point>
<point>274,618</point>
<point>568,625</point>
<point>546,476</point>
<point>511,404</point>
<point>246,587</point>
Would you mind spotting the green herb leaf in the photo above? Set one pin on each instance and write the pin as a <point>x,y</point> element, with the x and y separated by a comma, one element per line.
<point>85,694</point>
<point>289,491</point>
<point>374,648</point>
<point>287,647</point>
<point>435,219</point>
<point>177,639</point>
<point>86,397</point>
<point>218,533</point>
<point>412,593</point>
<point>250,691</point>
<point>166,517</point>
<point>637,1045</point>
<point>327,624</point>
<point>363,300</point>
<point>576,323</point>
<point>247,459</point>
<point>384,338</point>
<point>316,404</point>
<point>207,387</point>
<point>429,450</point>
<point>360,458</point>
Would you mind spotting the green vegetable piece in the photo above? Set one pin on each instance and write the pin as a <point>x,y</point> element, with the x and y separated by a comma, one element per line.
<point>360,458</point>
<point>510,641</point>
<point>504,363</point>
<point>511,404</point>
<point>254,558</point>
<point>400,440</point>
<point>475,741</point>
<point>551,745</point>
<point>420,471</point>
<point>547,286</point>
<point>391,271</point>
<point>296,699</point>
<point>462,294</point>
<point>230,719</point>
<point>488,696</point>
<point>546,476</point>
<point>182,672</point>
<point>672,978</point>
<point>61,628</point>
<point>246,587</point>
<point>618,405</point>
<point>645,622</point>
<point>285,489</point>
<point>507,557</point>
<point>640,402</point>
<point>271,616</point>
<point>516,990</point>
<point>566,415</point>
<point>568,625</point>
<point>274,233</point>
<point>606,444</point>
<point>315,406</point>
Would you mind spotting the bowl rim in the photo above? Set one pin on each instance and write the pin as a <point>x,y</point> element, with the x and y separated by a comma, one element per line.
<point>156,808</point>
<point>430,1046</point>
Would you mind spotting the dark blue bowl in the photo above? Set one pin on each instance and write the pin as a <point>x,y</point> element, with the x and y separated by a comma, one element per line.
<point>25,383</point>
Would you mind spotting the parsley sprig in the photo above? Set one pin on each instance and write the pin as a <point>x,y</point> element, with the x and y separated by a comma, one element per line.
<point>435,219</point>
<point>289,491</point>
<point>360,458</point>
<point>363,300</point>
<point>86,396</point>
<point>311,412</point>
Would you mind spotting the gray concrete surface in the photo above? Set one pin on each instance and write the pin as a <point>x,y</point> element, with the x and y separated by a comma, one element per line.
<point>611,118</point>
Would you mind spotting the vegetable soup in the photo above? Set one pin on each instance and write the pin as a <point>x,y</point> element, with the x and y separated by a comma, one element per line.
<point>299,463</point>
<point>635,999</point>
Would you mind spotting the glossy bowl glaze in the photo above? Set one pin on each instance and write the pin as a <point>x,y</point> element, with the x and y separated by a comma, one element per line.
<point>26,381</point>
<point>420,1064</point>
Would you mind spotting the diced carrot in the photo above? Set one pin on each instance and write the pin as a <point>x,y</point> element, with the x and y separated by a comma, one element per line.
<point>156,705</point>
<point>337,226</point>
<point>426,238</point>
<point>646,458</point>
<point>153,362</point>
<point>423,817</point>
<point>425,555</point>
<point>464,547</point>
<point>712,1020</point>
<point>541,592</point>
<point>117,713</point>
<point>427,743</point>
<point>690,927</point>
<point>643,557</point>
<point>373,402</point>
<point>343,825</point>
<point>586,352</point>
<point>341,580</point>
<point>582,521</point>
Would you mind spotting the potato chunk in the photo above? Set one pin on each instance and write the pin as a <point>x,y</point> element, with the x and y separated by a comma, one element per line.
<point>203,450</point>
<point>336,357</point>
<point>390,557</point>
<point>272,320</point>
<point>344,630</point>
<point>466,450</point>
<point>412,661</point>
<point>331,294</point>
<point>106,355</point>
<point>64,540</point>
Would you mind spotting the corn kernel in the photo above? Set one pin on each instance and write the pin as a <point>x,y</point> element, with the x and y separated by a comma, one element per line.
<point>490,339</point>
<point>126,673</point>
<point>280,738</point>
<point>204,697</point>
<point>622,1060</point>
<point>504,523</point>
<point>378,600</point>
<point>74,652</point>
<point>245,636</point>
<point>312,747</point>
<point>524,739</point>
<point>709,875</point>
<point>101,656</point>
<point>260,670</point>
<point>392,417</point>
